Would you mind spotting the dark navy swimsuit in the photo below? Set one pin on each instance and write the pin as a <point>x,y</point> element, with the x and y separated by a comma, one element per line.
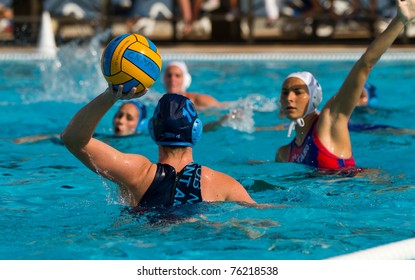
<point>171,189</point>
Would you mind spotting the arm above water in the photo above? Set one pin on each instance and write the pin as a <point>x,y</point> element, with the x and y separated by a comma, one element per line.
<point>34,138</point>
<point>281,126</point>
<point>332,126</point>
<point>79,131</point>
<point>341,106</point>
<point>205,101</point>
<point>126,169</point>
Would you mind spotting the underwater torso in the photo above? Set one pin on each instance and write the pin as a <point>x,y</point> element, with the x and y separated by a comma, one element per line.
<point>171,189</point>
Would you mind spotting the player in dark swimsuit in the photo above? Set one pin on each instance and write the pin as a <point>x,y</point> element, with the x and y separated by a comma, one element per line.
<point>175,179</point>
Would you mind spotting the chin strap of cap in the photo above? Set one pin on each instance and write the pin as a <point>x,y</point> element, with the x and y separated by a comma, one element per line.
<point>299,121</point>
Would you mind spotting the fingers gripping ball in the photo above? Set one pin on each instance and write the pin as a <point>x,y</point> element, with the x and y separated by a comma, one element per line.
<point>131,60</point>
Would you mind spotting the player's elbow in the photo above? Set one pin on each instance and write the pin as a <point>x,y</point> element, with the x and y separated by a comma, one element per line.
<point>71,141</point>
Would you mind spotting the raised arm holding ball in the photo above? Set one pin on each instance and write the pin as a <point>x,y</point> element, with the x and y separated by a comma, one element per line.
<point>175,179</point>
<point>175,127</point>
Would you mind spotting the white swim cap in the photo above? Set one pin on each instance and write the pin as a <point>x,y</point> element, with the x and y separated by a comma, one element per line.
<point>187,79</point>
<point>316,95</point>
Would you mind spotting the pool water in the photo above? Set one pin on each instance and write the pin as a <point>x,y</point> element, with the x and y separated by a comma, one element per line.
<point>52,207</point>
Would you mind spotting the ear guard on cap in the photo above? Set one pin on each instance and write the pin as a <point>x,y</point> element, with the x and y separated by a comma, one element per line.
<point>142,122</point>
<point>197,130</point>
<point>372,97</point>
<point>317,97</point>
<point>187,80</point>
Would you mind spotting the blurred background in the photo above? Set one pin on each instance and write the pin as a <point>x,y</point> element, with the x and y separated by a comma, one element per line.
<point>204,21</point>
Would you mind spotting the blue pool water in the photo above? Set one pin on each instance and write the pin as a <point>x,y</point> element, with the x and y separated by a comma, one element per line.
<point>52,207</point>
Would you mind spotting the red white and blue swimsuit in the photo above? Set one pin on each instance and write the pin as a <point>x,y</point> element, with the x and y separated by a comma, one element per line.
<point>313,153</point>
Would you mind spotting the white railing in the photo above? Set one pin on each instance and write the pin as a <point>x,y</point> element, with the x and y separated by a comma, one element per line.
<point>401,250</point>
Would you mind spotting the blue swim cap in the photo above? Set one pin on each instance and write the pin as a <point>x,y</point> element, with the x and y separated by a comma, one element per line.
<point>372,97</point>
<point>175,122</point>
<point>142,119</point>
<point>142,109</point>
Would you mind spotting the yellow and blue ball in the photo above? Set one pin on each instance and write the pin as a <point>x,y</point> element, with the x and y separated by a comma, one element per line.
<point>131,60</point>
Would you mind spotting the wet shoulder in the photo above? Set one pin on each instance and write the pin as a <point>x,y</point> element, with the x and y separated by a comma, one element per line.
<point>282,153</point>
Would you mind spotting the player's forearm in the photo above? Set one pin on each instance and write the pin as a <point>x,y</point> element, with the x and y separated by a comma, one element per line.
<point>82,126</point>
<point>383,42</point>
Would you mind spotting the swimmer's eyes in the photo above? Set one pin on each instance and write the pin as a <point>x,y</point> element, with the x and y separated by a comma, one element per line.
<point>127,116</point>
<point>174,75</point>
<point>297,91</point>
<point>130,118</point>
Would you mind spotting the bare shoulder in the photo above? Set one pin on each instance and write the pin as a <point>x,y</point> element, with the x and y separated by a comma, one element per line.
<point>213,176</point>
<point>202,100</point>
<point>218,186</point>
<point>143,167</point>
<point>132,170</point>
<point>283,153</point>
<point>213,184</point>
<point>136,173</point>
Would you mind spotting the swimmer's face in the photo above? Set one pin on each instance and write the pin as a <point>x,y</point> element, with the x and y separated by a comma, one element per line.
<point>174,79</point>
<point>294,98</point>
<point>126,120</point>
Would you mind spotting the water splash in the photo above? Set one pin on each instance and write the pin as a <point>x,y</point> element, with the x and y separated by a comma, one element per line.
<point>260,103</point>
<point>75,74</point>
<point>241,113</point>
<point>241,119</point>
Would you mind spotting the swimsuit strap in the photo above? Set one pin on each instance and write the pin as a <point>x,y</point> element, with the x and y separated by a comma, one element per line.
<point>187,185</point>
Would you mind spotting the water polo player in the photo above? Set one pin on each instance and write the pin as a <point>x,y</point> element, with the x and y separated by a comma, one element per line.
<point>177,79</point>
<point>322,139</point>
<point>175,179</point>
<point>130,118</point>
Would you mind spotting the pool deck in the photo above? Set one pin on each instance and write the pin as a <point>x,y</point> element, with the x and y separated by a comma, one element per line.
<point>190,48</point>
<point>271,48</point>
<point>350,41</point>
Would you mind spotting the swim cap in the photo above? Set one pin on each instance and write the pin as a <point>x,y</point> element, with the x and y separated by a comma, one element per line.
<point>142,109</point>
<point>372,97</point>
<point>187,79</point>
<point>175,122</point>
<point>315,92</point>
